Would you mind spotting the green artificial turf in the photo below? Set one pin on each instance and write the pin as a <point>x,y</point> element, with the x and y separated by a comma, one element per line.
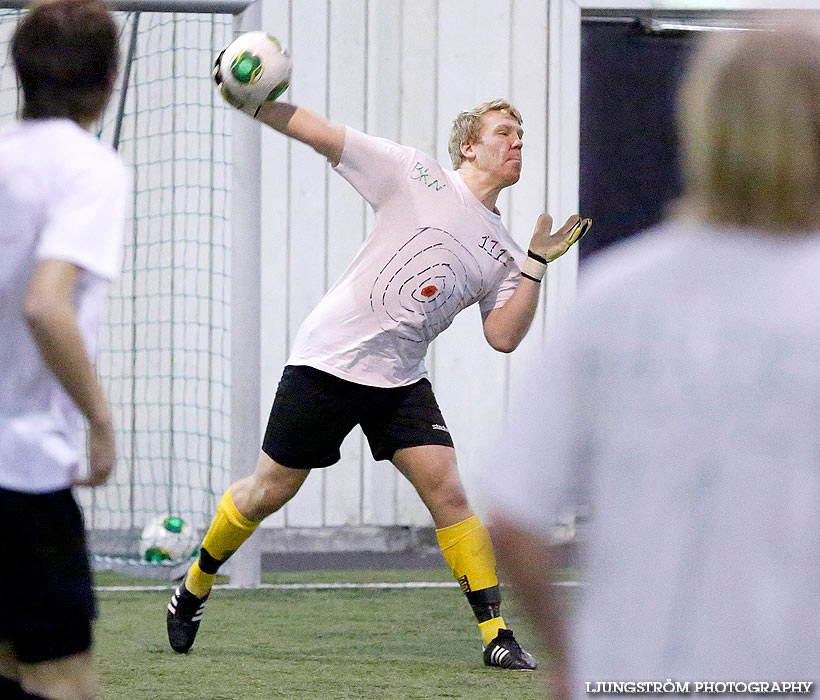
<point>368,644</point>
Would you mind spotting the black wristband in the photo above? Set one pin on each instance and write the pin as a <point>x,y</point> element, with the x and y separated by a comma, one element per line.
<point>543,261</point>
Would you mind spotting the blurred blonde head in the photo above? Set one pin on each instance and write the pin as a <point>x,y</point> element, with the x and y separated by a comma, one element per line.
<point>750,125</point>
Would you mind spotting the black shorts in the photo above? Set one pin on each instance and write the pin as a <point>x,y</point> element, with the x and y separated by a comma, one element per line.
<point>314,411</point>
<point>46,589</point>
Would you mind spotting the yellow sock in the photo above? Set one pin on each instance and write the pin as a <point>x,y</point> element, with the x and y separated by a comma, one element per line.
<point>468,551</point>
<point>228,530</point>
<point>489,629</point>
<point>197,581</point>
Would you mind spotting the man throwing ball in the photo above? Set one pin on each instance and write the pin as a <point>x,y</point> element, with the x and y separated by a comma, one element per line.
<point>437,246</point>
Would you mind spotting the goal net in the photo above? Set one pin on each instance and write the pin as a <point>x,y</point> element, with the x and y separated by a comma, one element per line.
<point>164,357</point>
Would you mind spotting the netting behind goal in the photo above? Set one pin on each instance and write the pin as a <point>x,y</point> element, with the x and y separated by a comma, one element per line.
<point>164,357</point>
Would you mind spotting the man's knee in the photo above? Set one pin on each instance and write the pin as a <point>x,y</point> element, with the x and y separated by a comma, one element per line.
<point>269,496</point>
<point>450,491</point>
<point>444,495</point>
<point>274,485</point>
<point>444,485</point>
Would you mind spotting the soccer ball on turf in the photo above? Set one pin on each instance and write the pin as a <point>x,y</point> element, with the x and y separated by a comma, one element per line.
<point>168,537</point>
<point>252,70</point>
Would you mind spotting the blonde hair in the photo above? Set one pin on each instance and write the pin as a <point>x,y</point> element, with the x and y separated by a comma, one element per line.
<point>467,126</point>
<point>750,127</point>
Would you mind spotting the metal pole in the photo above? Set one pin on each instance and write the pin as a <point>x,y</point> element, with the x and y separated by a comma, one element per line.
<point>227,7</point>
<point>126,79</point>
<point>246,203</point>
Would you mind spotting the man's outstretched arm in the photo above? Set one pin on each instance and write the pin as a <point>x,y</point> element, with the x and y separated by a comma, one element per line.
<point>306,126</point>
<point>299,123</point>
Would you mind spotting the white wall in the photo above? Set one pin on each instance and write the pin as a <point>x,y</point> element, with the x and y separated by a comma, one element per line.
<point>401,70</point>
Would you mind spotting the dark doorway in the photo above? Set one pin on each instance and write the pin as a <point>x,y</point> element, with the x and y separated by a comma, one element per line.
<point>629,148</point>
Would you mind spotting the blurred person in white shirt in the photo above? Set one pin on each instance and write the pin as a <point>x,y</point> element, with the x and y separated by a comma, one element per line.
<point>681,404</point>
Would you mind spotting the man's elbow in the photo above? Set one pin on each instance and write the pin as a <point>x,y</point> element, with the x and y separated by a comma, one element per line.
<point>43,314</point>
<point>36,312</point>
<point>501,334</point>
<point>504,344</point>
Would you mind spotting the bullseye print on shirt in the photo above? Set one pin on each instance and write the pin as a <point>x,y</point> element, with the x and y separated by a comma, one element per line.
<point>424,285</point>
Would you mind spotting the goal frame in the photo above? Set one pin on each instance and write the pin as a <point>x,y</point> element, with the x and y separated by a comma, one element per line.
<point>245,566</point>
<point>212,7</point>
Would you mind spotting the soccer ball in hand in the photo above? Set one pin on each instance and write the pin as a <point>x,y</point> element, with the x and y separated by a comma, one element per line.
<point>252,70</point>
<point>168,537</point>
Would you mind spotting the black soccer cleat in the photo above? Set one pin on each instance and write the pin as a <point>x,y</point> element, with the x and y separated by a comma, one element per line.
<point>184,615</point>
<point>504,652</point>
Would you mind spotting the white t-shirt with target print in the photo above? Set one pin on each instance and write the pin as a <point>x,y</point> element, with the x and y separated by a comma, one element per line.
<point>434,250</point>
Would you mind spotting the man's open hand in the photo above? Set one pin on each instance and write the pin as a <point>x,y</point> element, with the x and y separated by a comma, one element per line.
<point>552,246</point>
<point>545,246</point>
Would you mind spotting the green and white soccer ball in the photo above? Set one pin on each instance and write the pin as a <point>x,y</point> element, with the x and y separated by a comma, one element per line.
<point>254,69</point>
<point>168,537</point>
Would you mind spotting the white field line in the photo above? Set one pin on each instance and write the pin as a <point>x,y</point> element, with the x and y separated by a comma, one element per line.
<point>315,586</point>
